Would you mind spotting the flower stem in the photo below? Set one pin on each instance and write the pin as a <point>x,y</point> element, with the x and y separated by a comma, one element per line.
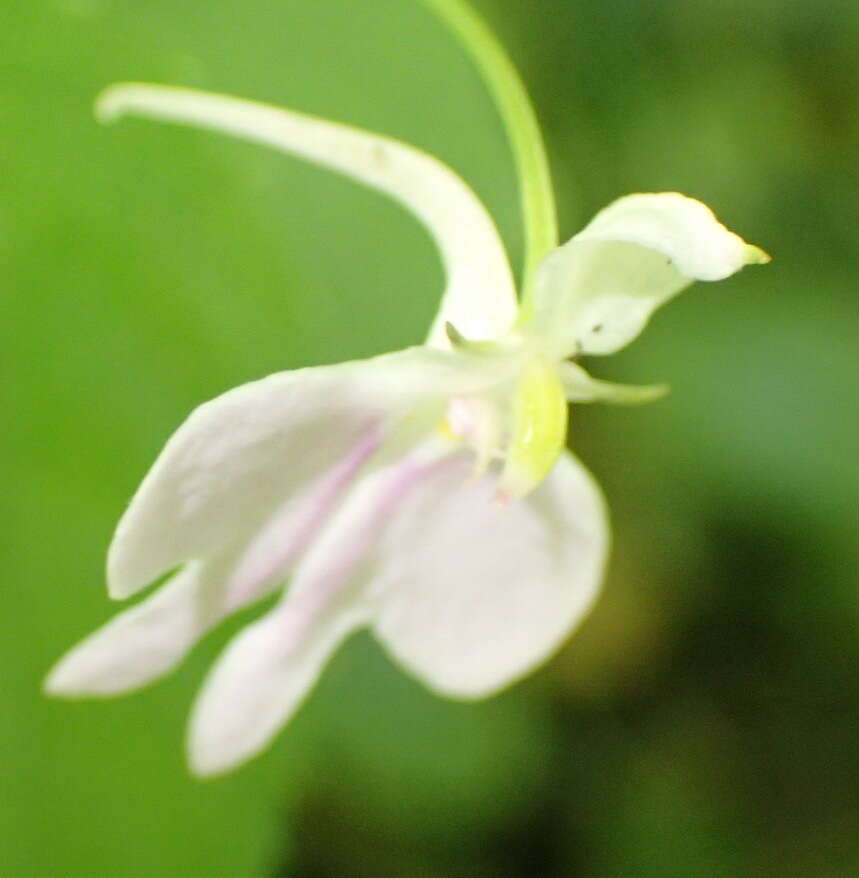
<point>520,120</point>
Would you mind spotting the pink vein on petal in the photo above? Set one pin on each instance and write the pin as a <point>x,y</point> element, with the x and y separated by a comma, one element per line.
<point>296,522</point>
<point>334,562</point>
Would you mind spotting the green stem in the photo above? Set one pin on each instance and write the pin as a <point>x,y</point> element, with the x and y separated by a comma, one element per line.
<point>526,141</point>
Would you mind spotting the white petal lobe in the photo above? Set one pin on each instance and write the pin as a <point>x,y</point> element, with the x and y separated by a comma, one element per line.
<point>480,299</point>
<point>265,673</point>
<point>148,640</point>
<point>231,465</point>
<point>145,642</point>
<point>473,593</point>
<point>260,681</point>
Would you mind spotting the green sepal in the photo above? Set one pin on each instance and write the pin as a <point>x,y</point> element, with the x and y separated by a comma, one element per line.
<point>581,387</point>
<point>539,428</point>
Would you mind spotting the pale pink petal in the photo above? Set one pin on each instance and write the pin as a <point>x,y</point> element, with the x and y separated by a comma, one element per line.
<point>225,472</point>
<point>467,593</point>
<point>265,672</point>
<point>473,593</point>
<point>290,530</point>
<point>260,681</point>
<point>147,641</point>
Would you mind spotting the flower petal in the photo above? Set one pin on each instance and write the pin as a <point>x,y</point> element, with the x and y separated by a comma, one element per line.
<point>480,299</point>
<point>596,293</point>
<point>467,593</point>
<point>147,641</point>
<point>266,671</point>
<point>260,680</point>
<point>228,468</point>
<point>472,593</point>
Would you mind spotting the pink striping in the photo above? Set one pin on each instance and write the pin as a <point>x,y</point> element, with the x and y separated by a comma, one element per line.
<point>328,570</point>
<point>295,524</point>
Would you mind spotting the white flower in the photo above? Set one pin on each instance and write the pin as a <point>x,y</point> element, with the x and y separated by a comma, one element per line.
<point>425,494</point>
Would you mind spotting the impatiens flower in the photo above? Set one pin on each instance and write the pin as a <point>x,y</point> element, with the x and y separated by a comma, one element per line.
<point>426,494</point>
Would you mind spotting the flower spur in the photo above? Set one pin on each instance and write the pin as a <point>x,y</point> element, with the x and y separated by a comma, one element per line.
<point>425,494</point>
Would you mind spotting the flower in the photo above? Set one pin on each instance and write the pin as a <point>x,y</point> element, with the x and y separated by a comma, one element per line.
<point>424,494</point>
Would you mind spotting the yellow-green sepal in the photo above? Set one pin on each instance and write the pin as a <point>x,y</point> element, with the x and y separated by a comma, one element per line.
<point>539,428</point>
<point>581,387</point>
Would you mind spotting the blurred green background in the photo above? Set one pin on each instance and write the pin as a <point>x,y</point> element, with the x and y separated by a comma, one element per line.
<point>704,721</point>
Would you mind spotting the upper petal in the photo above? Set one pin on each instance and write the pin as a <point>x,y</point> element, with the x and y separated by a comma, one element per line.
<point>472,593</point>
<point>596,293</point>
<point>480,298</point>
<point>236,459</point>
